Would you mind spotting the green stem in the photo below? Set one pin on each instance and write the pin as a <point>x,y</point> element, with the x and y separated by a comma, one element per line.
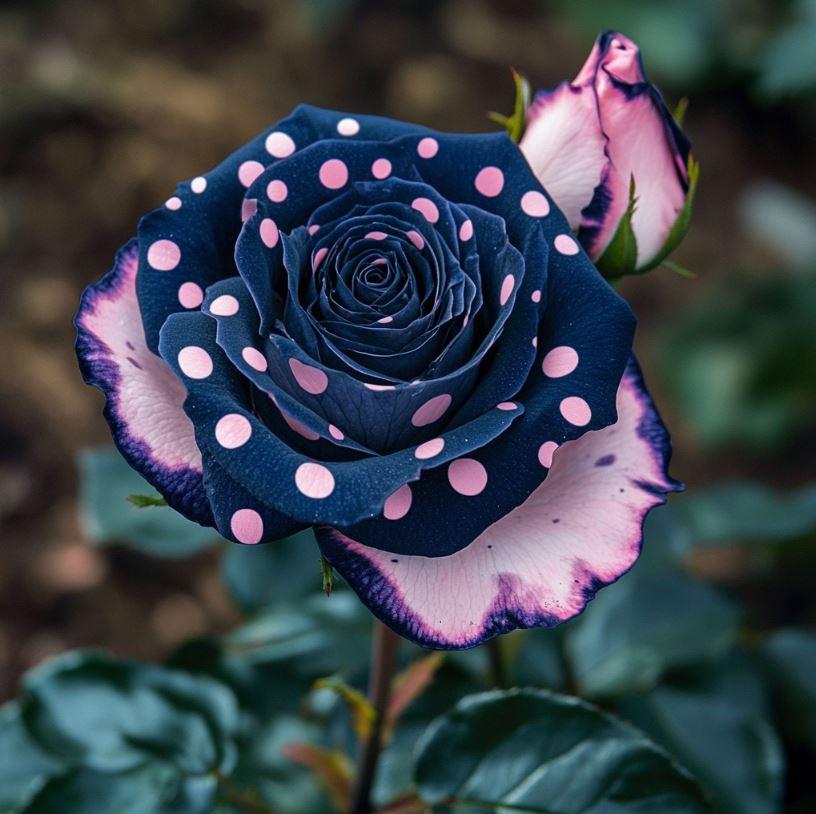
<point>383,666</point>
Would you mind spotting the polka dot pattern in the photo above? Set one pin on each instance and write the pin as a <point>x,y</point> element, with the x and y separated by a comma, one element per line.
<point>277,191</point>
<point>429,449</point>
<point>255,359</point>
<point>224,306</point>
<point>506,289</point>
<point>314,480</point>
<point>466,231</point>
<point>560,361</point>
<point>427,207</point>
<point>195,362</point>
<point>249,171</point>
<point>381,168</point>
<point>348,127</point>
<point>545,453</point>
<point>565,244</point>
<point>198,184</point>
<point>428,147</point>
<point>233,430</point>
<point>333,174</point>
<point>163,255</point>
<point>398,504</point>
<point>269,233</point>
<point>432,410</point>
<point>279,145</point>
<point>576,411</point>
<point>190,295</point>
<point>490,181</point>
<point>247,526</point>
<point>467,476</point>
<point>535,204</point>
<point>311,379</point>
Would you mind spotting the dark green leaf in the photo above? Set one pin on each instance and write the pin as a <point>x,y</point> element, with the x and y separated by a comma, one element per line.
<point>791,659</point>
<point>106,482</point>
<point>717,726</point>
<point>107,715</point>
<point>140,791</point>
<point>324,634</point>
<point>534,752</point>
<point>24,767</point>
<point>284,570</point>
<point>146,501</point>
<point>652,620</point>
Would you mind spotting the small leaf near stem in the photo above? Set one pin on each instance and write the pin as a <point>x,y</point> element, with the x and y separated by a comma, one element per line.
<point>328,575</point>
<point>146,501</point>
<point>331,767</point>
<point>515,123</point>
<point>362,712</point>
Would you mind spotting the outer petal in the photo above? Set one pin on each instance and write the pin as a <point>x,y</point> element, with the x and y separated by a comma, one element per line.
<point>540,564</point>
<point>144,407</point>
<point>642,141</point>
<point>565,146</point>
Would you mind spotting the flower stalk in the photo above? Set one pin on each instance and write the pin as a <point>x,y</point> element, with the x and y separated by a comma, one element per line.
<point>385,648</point>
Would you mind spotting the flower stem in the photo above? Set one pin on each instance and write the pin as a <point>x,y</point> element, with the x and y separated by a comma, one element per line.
<point>383,667</point>
<point>498,668</point>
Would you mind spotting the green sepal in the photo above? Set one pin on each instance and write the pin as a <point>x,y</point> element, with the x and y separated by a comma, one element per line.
<point>517,121</point>
<point>681,225</point>
<point>145,501</point>
<point>620,256</point>
<point>327,573</point>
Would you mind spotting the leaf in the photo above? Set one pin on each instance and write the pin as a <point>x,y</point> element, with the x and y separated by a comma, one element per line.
<point>535,752</point>
<point>790,657</point>
<point>363,714</point>
<point>106,482</point>
<point>515,123</point>
<point>146,501</point>
<point>90,710</point>
<point>140,791</point>
<point>331,767</point>
<point>409,685</point>
<point>716,725</point>
<point>683,221</point>
<point>653,620</point>
<point>620,256</point>
<point>318,634</point>
<point>285,570</point>
<point>24,767</point>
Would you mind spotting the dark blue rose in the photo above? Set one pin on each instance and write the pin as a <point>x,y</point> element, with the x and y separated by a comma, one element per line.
<point>388,334</point>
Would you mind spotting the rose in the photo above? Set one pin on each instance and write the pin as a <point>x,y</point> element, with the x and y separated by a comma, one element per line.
<point>401,346</point>
<point>614,159</point>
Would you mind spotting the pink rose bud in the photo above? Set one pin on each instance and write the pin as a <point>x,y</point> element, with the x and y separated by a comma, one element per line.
<point>614,159</point>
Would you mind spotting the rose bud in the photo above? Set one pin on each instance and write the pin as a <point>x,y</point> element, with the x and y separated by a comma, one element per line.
<point>614,159</point>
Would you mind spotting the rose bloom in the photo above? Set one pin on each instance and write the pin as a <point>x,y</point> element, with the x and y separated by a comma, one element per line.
<point>390,335</point>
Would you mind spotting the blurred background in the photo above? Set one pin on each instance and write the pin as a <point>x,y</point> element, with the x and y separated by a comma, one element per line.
<point>105,104</point>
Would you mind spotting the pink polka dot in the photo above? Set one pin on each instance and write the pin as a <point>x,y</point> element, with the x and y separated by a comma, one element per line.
<point>466,230</point>
<point>249,171</point>
<point>246,526</point>
<point>432,410</point>
<point>535,341</point>
<point>376,236</point>
<point>378,388</point>
<point>333,174</point>
<point>163,255</point>
<point>545,453</point>
<point>416,238</point>
<point>173,203</point>
<point>534,204</point>
<point>429,449</point>
<point>269,233</point>
<point>428,147</point>
<point>311,379</point>
<point>385,320</point>
<point>300,428</point>
<point>576,411</point>
<point>279,144</point>
<point>314,480</point>
<point>398,504</point>
<point>232,431</point>
<point>536,296</point>
<point>381,168</point>
<point>319,257</point>
<point>190,295</point>
<point>566,245</point>
<point>467,476</point>
<point>348,127</point>
<point>249,206</point>
<point>195,362</point>
<point>506,405</point>
<point>336,433</point>
<point>255,359</point>
<point>490,181</point>
<point>276,191</point>
<point>379,261</point>
<point>314,228</point>
<point>506,289</point>
<point>559,362</point>
<point>224,306</point>
<point>198,184</point>
<point>427,207</point>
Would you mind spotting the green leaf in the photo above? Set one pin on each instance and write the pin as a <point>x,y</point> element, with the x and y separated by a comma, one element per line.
<point>536,752</point>
<point>620,256</point>
<point>515,123</point>
<point>651,621</point>
<point>363,714</point>
<point>319,635</point>
<point>790,656</point>
<point>681,225</point>
<point>146,501</point>
<point>24,767</point>
<point>716,725</point>
<point>106,484</point>
<point>90,710</point>
<point>141,791</point>
<point>284,570</point>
